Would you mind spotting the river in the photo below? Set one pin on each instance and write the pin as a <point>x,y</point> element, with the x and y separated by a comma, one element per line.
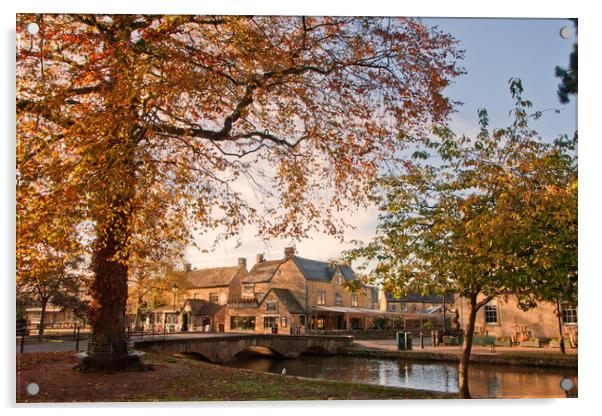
<point>485,381</point>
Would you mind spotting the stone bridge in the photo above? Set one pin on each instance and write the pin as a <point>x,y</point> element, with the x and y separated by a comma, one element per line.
<point>221,348</point>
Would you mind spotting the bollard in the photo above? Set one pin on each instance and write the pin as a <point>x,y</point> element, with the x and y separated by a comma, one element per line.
<point>421,340</point>
<point>76,339</point>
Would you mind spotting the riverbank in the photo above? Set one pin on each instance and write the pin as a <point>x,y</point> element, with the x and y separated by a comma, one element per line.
<point>182,378</point>
<point>481,355</point>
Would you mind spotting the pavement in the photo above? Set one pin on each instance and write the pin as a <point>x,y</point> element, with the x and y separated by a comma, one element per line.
<point>391,345</point>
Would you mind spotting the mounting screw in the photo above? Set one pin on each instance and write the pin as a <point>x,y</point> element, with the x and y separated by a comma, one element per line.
<point>566,32</point>
<point>32,389</point>
<point>32,28</point>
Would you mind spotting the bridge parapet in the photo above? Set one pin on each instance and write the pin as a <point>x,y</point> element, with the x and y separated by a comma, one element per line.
<point>222,348</point>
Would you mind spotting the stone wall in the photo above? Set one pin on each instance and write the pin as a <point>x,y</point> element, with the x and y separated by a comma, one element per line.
<point>541,320</point>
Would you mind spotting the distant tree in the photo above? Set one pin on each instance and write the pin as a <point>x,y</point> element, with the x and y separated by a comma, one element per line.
<point>155,117</point>
<point>58,283</point>
<point>491,215</point>
<point>568,76</point>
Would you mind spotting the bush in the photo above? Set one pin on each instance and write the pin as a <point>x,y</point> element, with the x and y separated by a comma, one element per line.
<point>380,322</point>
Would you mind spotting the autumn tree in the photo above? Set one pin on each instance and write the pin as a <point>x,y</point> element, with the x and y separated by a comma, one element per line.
<point>481,217</point>
<point>158,119</point>
<point>149,283</point>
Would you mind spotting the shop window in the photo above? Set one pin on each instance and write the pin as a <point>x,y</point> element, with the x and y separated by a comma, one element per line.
<point>242,322</point>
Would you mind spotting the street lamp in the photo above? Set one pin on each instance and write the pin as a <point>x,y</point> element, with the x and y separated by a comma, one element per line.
<point>174,289</point>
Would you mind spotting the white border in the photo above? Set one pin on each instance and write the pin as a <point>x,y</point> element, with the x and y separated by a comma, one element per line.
<point>589,206</point>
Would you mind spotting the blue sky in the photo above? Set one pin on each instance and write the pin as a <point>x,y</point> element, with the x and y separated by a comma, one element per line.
<point>495,51</point>
<point>499,49</point>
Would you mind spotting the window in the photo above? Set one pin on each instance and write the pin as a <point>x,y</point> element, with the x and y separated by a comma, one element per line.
<point>374,295</point>
<point>195,296</point>
<point>247,291</point>
<point>392,307</point>
<point>283,322</point>
<point>213,297</point>
<point>242,322</point>
<point>491,313</point>
<point>271,306</point>
<point>339,280</point>
<point>338,299</point>
<point>569,314</point>
<point>270,322</point>
<point>321,298</point>
<point>354,299</point>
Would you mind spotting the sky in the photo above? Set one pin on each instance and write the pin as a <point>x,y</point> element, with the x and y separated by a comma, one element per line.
<point>495,51</point>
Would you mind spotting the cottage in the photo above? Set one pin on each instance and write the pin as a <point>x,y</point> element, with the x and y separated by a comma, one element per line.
<point>201,315</point>
<point>277,311</point>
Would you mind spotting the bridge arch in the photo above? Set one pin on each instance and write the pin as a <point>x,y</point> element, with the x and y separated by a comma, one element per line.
<point>222,348</point>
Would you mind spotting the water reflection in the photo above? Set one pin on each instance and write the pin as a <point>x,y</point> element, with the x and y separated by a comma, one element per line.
<point>485,380</point>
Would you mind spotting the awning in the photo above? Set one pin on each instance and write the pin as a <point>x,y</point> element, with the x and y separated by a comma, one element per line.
<point>355,311</point>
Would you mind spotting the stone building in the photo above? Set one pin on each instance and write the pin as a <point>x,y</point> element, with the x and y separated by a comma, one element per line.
<point>294,294</point>
<point>414,303</point>
<point>207,294</point>
<point>502,317</point>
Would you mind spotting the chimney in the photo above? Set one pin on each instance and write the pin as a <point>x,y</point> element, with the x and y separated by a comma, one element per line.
<point>259,259</point>
<point>242,262</point>
<point>187,267</point>
<point>289,252</point>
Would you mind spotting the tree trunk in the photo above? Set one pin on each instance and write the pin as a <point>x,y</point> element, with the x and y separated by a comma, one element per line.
<point>464,392</point>
<point>107,347</point>
<point>109,294</point>
<point>559,318</point>
<point>44,304</point>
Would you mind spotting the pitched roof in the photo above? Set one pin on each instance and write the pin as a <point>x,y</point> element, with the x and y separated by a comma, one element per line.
<point>417,298</point>
<point>288,300</point>
<point>213,277</point>
<point>310,269</point>
<point>202,307</point>
<point>262,272</point>
<point>347,272</point>
<point>314,269</point>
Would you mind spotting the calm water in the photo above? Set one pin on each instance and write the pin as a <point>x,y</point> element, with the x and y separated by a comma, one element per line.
<point>484,380</point>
